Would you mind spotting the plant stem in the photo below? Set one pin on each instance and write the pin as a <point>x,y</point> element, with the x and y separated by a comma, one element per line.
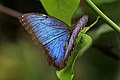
<point>103,16</point>
<point>9,11</point>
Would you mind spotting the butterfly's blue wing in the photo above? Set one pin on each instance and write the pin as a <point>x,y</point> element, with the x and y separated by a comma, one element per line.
<point>50,32</point>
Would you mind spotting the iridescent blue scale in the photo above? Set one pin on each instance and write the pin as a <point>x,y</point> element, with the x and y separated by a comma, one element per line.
<point>53,34</point>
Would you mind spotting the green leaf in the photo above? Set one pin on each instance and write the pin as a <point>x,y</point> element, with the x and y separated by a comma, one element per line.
<point>61,9</point>
<point>66,73</point>
<point>82,41</point>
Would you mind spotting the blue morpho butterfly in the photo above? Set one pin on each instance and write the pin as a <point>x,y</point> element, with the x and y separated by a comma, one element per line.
<point>51,35</point>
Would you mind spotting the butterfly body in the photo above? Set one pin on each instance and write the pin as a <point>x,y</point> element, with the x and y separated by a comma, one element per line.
<point>52,35</point>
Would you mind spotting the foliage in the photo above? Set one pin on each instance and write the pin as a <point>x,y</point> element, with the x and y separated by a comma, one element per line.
<point>61,9</point>
<point>20,60</point>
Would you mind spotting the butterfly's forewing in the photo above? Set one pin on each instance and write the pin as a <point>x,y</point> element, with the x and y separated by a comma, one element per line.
<point>49,32</point>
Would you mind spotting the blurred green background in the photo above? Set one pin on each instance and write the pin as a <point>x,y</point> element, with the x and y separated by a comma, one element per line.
<point>21,60</point>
